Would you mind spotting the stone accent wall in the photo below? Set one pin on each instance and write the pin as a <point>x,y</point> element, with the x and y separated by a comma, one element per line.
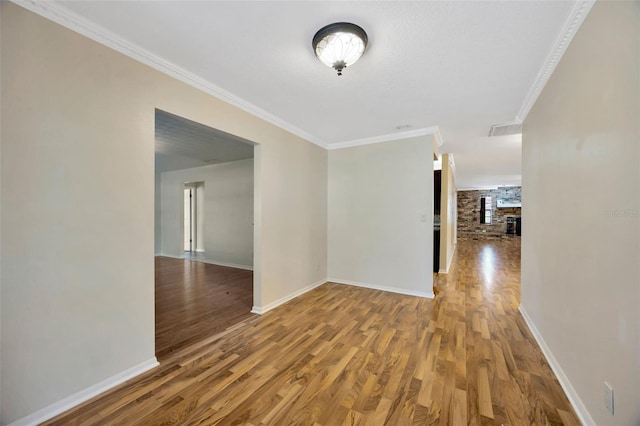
<point>469,210</point>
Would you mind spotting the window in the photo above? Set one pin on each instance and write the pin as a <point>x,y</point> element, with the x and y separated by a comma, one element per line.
<point>486,210</point>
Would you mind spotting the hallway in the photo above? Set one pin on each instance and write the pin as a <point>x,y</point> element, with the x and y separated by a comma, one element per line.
<point>348,354</point>
<point>508,379</point>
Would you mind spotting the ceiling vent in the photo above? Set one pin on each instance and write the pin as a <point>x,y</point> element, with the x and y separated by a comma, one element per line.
<point>506,129</point>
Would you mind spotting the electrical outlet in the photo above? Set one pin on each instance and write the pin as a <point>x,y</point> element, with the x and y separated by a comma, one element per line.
<point>608,397</point>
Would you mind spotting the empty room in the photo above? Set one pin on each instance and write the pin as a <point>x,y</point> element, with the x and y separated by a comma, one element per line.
<point>203,231</point>
<point>301,212</point>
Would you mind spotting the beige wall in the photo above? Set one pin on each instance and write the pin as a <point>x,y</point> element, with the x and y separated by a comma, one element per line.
<point>448,213</point>
<point>580,271</point>
<point>227,211</point>
<point>381,215</point>
<point>78,240</point>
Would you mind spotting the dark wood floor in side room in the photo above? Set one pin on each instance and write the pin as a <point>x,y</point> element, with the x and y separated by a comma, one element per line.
<point>349,355</point>
<point>195,300</point>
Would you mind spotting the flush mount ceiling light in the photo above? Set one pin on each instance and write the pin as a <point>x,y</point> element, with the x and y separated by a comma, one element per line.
<point>340,45</point>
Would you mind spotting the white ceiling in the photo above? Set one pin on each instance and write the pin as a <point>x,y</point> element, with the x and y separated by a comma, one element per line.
<point>183,144</point>
<point>456,66</point>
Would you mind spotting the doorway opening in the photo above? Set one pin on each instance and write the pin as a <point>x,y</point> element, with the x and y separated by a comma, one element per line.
<point>437,197</point>
<point>193,225</point>
<point>189,219</point>
<point>205,203</point>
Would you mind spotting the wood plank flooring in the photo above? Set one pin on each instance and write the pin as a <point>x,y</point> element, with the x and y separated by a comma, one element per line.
<point>195,300</point>
<point>347,355</point>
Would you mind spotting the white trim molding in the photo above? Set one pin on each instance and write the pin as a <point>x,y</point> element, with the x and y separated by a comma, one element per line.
<point>269,306</point>
<point>574,398</point>
<point>428,295</point>
<point>433,130</point>
<point>61,15</point>
<point>78,398</point>
<point>575,19</point>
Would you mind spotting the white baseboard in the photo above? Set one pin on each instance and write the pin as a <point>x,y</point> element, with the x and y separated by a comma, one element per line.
<point>262,309</point>
<point>574,398</point>
<point>428,295</point>
<point>229,265</point>
<point>78,398</point>
<point>200,250</point>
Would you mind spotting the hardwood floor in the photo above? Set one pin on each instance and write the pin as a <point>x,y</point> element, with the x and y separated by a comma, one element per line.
<point>195,300</point>
<point>348,355</point>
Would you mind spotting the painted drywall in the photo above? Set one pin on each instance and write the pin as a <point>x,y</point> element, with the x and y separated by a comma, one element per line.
<point>78,241</point>
<point>293,218</point>
<point>227,211</point>
<point>381,215</point>
<point>580,269</point>
<point>448,213</point>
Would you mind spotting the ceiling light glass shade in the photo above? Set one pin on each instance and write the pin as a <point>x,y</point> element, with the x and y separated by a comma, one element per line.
<point>340,45</point>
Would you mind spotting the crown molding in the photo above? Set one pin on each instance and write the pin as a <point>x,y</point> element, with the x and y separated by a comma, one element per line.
<point>573,22</point>
<point>60,15</point>
<point>433,130</point>
<point>68,19</point>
